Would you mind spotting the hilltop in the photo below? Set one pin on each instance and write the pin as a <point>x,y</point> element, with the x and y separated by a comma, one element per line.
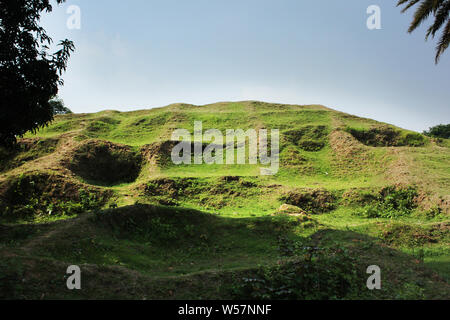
<point>99,190</point>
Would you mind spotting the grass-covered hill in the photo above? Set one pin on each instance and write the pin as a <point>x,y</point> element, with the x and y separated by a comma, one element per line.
<point>99,191</point>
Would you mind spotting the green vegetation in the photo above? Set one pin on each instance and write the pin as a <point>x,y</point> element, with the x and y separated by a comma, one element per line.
<point>29,74</point>
<point>25,150</point>
<point>99,190</point>
<point>58,106</point>
<point>392,202</point>
<point>309,138</point>
<point>387,137</point>
<point>317,274</point>
<point>440,131</point>
<point>42,197</point>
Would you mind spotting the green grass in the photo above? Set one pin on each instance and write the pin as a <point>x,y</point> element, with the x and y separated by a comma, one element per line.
<point>196,231</point>
<point>166,245</point>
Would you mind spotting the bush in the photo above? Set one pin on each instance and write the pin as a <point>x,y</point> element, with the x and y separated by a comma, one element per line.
<point>440,131</point>
<point>392,202</point>
<point>412,139</point>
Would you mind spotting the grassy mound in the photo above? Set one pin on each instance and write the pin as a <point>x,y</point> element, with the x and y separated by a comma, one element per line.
<point>100,126</point>
<point>207,192</point>
<point>43,196</point>
<point>105,163</point>
<point>312,201</point>
<point>140,226</point>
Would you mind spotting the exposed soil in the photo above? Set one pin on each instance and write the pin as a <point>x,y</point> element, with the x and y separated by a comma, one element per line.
<point>349,155</point>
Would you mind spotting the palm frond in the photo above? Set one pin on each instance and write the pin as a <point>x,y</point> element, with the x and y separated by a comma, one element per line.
<point>440,9</point>
<point>409,5</point>
<point>443,43</point>
<point>422,13</point>
<point>441,16</point>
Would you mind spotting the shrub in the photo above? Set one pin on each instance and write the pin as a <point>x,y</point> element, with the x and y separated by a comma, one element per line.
<point>412,139</point>
<point>392,202</point>
<point>440,131</point>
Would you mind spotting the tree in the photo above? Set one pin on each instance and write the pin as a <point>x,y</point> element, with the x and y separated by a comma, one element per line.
<point>58,106</point>
<point>440,9</point>
<point>29,75</point>
<point>440,131</point>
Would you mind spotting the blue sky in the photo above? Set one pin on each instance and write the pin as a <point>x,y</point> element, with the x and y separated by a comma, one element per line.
<point>141,54</point>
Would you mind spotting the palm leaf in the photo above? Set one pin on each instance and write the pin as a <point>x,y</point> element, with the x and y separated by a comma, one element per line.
<point>440,9</point>
<point>443,42</point>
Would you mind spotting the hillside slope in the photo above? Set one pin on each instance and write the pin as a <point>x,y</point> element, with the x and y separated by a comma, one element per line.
<point>99,190</point>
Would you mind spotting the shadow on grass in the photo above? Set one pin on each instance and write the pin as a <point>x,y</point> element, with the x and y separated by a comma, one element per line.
<point>155,252</point>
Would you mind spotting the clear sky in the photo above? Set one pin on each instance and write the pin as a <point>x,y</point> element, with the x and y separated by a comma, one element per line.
<point>141,54</point>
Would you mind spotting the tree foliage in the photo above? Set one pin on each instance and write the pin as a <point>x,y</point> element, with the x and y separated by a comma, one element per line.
<point>29,75</point>
<point>440,131</point>
<point>58,106</point>
<point>440,10</point>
